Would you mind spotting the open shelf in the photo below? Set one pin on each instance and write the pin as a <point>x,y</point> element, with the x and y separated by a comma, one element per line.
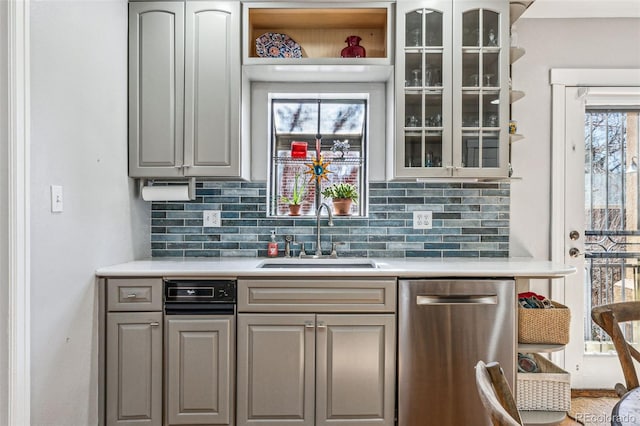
<point>515,95</point>
<point>514,137</point>
<point>515,53</point>
<point>549,418</point>
<point>320,31</point>
<point>528,348</point>
<point>517,8</point>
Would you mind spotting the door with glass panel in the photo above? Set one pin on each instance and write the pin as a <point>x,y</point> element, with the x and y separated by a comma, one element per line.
<point>452,89</point>
<point>480,90</point>
<point>423,89</point>
<point>602,227</point>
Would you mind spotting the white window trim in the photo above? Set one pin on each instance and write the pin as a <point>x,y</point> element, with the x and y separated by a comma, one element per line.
<point>19,326</point>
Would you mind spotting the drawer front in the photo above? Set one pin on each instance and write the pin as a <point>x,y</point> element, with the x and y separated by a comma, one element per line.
<point>135,294</point>
<point>317,295</point>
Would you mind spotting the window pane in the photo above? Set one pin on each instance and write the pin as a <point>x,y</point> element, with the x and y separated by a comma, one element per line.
<point>296,117</point>
<point>295,166</point>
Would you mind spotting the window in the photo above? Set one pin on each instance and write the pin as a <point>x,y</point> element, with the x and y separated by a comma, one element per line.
<point>315,142</point>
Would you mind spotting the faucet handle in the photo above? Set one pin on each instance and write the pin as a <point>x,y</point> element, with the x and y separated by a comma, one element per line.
<point>334,245</point>
<point>302,251</point>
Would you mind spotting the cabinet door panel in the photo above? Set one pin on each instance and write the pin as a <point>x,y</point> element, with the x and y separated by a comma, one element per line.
<point>481,65</point>
<point>199,359</point>
<point>156,88</point>
<point>276,369</point>
<point>355,376</point>
<point>134,368</point>
<point>423,89</point>
<point>212,88</point>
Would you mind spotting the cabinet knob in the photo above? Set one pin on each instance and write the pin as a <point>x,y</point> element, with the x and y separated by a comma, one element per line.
<point>309,324</point>
<point>154,324</point>
<point>131,296</point>
<point>321,324</point>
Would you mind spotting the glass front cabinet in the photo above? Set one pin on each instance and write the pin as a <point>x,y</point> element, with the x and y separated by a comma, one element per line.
<point>452,89</point>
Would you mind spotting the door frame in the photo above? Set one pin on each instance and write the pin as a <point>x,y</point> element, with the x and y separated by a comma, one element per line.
<point>560,79</point>
<point>18,244</point>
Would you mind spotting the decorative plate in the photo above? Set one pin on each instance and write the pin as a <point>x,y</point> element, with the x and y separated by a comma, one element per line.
<point>276,45</point>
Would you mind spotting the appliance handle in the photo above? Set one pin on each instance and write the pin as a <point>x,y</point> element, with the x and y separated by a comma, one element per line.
<point>464,299</point>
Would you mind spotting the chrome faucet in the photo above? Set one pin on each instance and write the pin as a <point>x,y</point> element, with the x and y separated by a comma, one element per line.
<point>318,247</point>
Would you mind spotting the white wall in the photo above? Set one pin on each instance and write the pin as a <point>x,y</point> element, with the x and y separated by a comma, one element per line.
<point>4,220</point>
<point>79,141</point>
<point>553,43</point>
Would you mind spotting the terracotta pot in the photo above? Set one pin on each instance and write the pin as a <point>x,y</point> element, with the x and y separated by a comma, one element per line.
<point>342,206</point>
<point>294,209</point>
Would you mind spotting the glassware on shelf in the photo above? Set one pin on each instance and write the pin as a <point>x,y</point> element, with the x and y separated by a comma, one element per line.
<point>428,76</point>
<point>473,80</point>
<point>416,36</point>
<point>488,79</point>
<point>493,40</point>
<point>416,78</point>
<point>413,121</point>
<point>492,120</point>
<point>429,159</point>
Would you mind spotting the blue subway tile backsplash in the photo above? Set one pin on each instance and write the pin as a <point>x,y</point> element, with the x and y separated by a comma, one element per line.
<point>469,220</point>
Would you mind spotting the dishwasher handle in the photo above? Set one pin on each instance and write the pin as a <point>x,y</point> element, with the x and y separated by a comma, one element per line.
<point>456,299</point>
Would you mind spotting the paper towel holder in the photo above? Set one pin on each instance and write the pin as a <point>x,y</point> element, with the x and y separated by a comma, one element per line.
<point>150,182</point>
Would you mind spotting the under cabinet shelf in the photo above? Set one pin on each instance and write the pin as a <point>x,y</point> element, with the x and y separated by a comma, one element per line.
<point>514,137</point>
<point>515,53</point>
<point>542,417</point>
<point>517,8</point>
<point>528,348</point>
<point>515,95</point>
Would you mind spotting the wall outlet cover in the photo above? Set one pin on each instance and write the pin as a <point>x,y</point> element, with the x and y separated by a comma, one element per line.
<point>211,218</point>
<point>422,220</point>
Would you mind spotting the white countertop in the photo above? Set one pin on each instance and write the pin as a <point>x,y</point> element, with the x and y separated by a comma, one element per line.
<point>224,267</point>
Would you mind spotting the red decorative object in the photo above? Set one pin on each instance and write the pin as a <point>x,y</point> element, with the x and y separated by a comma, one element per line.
<point>298,149</point>
<point>353,49</point>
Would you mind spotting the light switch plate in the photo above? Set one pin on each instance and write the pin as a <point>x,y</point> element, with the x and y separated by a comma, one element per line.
<point>211,218</point>
<point>56,199</point>
<point>422,220</point>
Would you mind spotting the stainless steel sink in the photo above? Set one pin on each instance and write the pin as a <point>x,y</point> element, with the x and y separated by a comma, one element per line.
<point>319,264</point>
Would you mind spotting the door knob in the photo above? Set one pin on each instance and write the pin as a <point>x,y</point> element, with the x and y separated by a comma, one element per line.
<point>574,252</point>
<point>574,235</point>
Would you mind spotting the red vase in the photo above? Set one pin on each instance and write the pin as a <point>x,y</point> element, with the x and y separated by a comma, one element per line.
<point>353,49</point>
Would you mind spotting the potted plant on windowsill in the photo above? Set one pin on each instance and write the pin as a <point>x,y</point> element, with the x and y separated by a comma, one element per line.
<point>298,193</point>
<point>342,195</point>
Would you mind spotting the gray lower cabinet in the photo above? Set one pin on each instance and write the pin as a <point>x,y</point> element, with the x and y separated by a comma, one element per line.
<point>316,369</point>
<point>184,89</point>
<point>199,357</point>
<point>134,368</point>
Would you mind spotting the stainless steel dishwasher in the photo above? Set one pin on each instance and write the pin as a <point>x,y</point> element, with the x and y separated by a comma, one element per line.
<point>444,328</point>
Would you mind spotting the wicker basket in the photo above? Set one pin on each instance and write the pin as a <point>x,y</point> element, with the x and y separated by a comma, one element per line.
<point>544,326</point>
<point>549,390</point>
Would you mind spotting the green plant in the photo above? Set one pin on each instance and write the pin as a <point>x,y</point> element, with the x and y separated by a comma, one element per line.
<point>298,193</point>
<point>341,190</point>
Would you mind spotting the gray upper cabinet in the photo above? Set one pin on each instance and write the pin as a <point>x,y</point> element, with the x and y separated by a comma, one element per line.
<point>156,89</point>
<point>199,357</point>
<point>452,89</point>
<point>184,90</point>
<point>134,368</point>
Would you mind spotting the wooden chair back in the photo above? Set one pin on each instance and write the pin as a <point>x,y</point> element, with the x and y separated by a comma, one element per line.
<point>609,317</point>
<point>496,395</point>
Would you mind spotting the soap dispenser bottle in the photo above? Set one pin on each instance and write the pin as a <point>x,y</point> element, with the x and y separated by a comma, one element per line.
<point>272,247</point>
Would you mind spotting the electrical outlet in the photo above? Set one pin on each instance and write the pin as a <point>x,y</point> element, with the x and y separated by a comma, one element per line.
<point>422,220</point>
<point>211,218</point>
<point>57,204</point>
